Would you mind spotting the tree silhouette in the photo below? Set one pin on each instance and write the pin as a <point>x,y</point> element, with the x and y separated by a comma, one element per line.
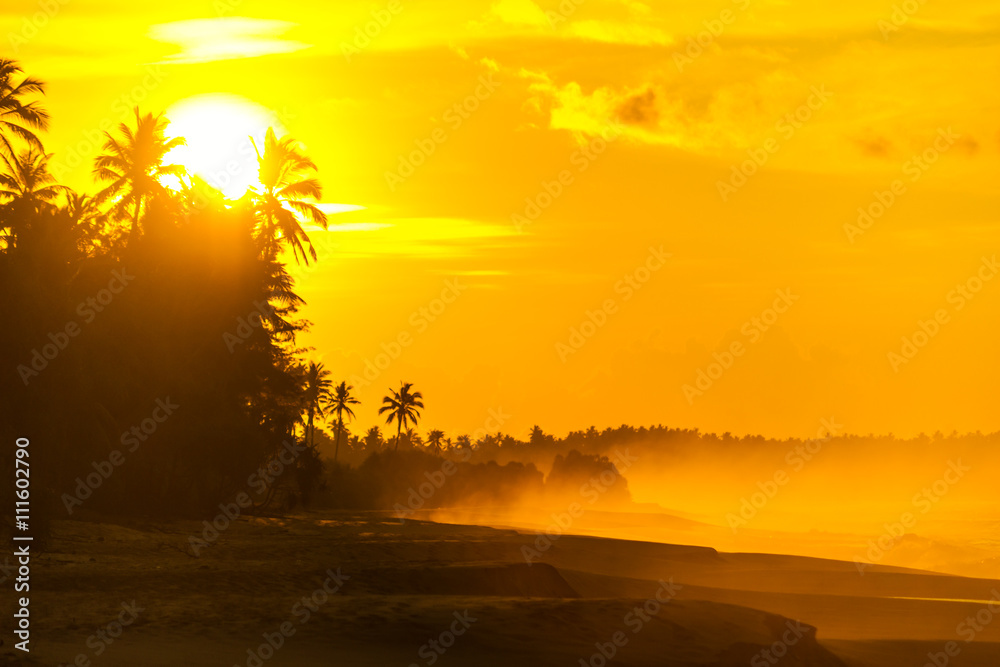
<point>317,396</point>
<point>340,404</point>
<point>373,439</point>
<point>412,438</point>
<point>17,117</point>
<point>28,187</point>
<point>280,201</point>
<point>402,407</point>
<point>133,165</point>
<point>85,213</point>
<point>434,439</point>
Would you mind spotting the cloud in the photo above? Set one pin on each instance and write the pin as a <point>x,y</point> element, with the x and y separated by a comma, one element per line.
<point>519,12</point>
<point>715,117</point>
<point>640,109</point>
<point>878,147</point>
<point>618,33</point>
<point>204,40</point>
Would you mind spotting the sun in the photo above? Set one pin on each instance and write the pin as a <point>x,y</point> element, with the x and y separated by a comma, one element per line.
<point>218,128</point>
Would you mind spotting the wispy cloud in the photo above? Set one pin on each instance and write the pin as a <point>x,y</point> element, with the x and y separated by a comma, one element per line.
<point>204,40</point>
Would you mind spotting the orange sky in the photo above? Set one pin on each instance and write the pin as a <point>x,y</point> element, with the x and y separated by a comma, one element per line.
<point>831,104</point>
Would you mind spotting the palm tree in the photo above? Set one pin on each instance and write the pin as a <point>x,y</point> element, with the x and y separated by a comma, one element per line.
<point>27,180</point>
<point>18,118</point>
<point>133,166</point>
<point>341,403</point>
<point>86,215</point>
<point>373,439</point>
<point>279,202</point>
<point>28,188</point>
<point>434,439</point>
<point>317,396</point>
<point>402,407</point>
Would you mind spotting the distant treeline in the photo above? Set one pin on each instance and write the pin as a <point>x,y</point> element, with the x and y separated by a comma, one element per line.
<point>409,481</point>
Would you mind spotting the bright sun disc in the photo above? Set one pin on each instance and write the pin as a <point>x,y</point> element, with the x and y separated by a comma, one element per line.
<point>218,128</point>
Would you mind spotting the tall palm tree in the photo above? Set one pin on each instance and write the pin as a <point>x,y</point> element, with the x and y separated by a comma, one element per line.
<point>133,165</point>
<point>27,188</point>
<point>340,404</point>
<point>434,439</point>
<point>17,117</point>
<point>317,396</point>
<point>403,407</point>
<point>280,200</point>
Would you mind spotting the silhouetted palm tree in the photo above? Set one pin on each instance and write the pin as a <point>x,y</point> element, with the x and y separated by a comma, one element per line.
<point>317,396</point>
<point>87,216</point>
<point>340,404</point>
<point>27,181</point>
<point>27,188</point>
<point>133,166</point>
<point>280,200</point>
<point>80,207</point>
<point>373,439</point>
<point>17,117</point>
<point>402,407</point>
<point>434,439</point>
<point>413,439</point>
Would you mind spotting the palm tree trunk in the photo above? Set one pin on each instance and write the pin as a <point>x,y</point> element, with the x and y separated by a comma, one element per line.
<point>399,429</point>
<point>340,427</point>
<point>134,232</point>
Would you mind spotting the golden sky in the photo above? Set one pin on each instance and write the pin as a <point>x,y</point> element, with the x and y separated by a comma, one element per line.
<point>695,165</point>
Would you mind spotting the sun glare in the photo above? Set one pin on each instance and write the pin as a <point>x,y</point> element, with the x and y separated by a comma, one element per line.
<point>218,129</point>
